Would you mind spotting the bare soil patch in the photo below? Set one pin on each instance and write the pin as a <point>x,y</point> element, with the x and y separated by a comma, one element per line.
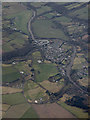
<point>52,111</point>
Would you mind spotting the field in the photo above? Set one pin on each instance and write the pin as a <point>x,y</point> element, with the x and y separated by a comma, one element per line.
<point>5,107</point>
<point>33,92</point>
<point>13,99</point>
<point>24,66</point>
<point>30,113</point>
<point>9,74</point>
<point>52,87</point>
<point>21,15</point>
<point>49,111</point>
<point>29,85</point>
<point>84,81</point>
<point>15,19</point>
<point>17,111</point>
<point>74,5</point>
<point>43,9</point>
<point>50,15</point>
<point>44,70</point>
<point>9,90</point>
<point>79,113</point>
<point>47,29</point>
<point>63,19</point>
<point>79,62</point>
<point>13,41</point>
<point>81,13</point>
<point>37,4</point>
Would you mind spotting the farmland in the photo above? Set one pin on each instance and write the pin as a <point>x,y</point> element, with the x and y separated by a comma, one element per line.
<point>43,27</point>
<point>45,69</point>
<point>9,74</point>
<point>13,99</point>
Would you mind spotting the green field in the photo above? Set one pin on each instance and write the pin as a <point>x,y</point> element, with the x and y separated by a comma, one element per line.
<point>29,85</point>
<point>79,113</point>
<point>74,5</point>
<point>63,19</point>
<point>43,9</point>
<point>81,13</point>
<point>44,70</point>
<point>47,29</point>
<point>9,74</point>
<point>37,4</point>
<point>21,20</point>
<point>13,99</point>
<point>30,113</point>
<point>13,41</point>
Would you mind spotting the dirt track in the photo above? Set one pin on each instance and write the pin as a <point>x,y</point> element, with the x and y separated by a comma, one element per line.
<point>52,111</point>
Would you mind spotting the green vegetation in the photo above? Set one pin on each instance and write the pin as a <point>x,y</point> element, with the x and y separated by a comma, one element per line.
<point>36,94</point>
<point>37,4</point>
<point>44,70</point>
<point>29,85</point>
<point>74,5</point>
<point>81,13</point>
<point>49,15</point>
<point>30,113</point>
<point>9,74</point>
<point>24,66</point>
<point>80,113</point>
<point>61,3</point>
<point>47,29</point>
<point>13,41</point>
<point>13,99</point>
<point>63,19</point>
<point>21,20</point>
<point>43,9</point>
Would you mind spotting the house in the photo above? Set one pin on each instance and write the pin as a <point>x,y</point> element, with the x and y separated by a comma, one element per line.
<point>39,61</point>
<point>21,72</point>
<point>36,101</point>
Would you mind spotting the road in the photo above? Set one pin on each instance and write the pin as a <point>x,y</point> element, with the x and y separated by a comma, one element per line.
<point>68,71</point>
<point>29,25</point>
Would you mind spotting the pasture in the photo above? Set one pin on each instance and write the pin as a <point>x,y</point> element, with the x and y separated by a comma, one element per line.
<point>9,74</point>
<point>30,113</point>
<point>44,70</point>
<point>46,29</point>
<point>17,111</point>
<point>13,99</point>
<point>13,41</point>
<point>9,90</point>
<point>81,13</point>
<point>52,87</point>
<point>37,4</point>
<point>43,9</point>
<point>36,94</point>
